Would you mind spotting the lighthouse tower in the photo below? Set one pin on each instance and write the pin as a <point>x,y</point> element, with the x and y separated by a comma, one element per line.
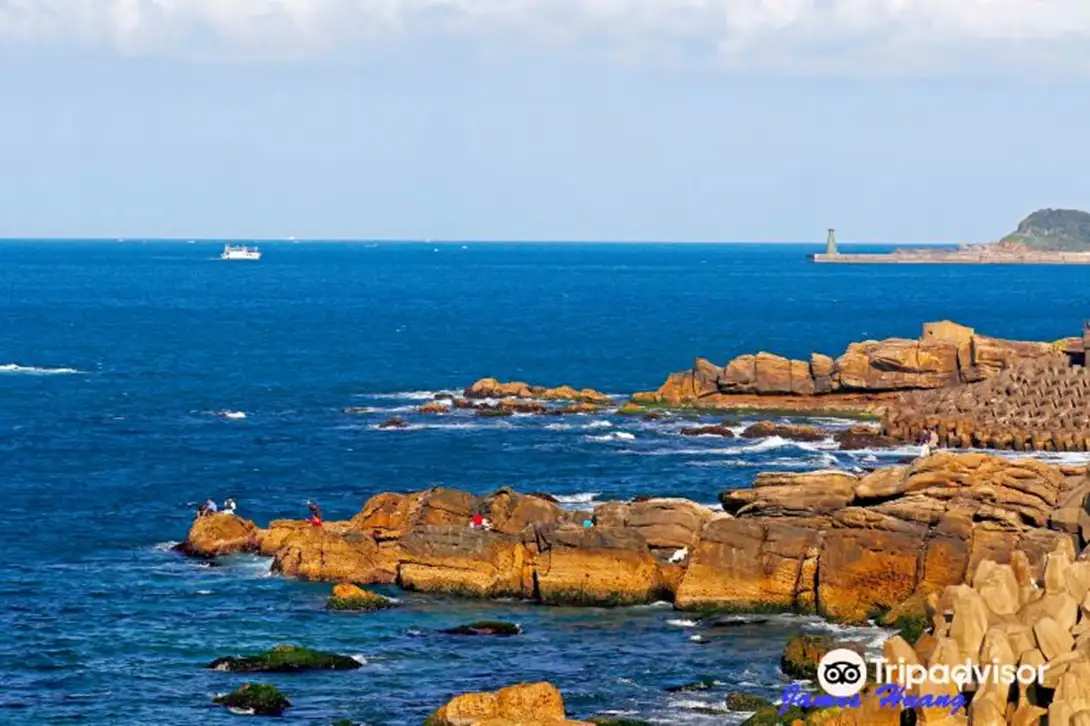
<point>830,244</point>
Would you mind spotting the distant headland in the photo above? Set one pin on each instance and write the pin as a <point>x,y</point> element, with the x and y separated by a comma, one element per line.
<point>1046,237</point>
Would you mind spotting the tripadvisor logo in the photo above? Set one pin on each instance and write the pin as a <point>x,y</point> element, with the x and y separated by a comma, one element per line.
<point>843,673</point>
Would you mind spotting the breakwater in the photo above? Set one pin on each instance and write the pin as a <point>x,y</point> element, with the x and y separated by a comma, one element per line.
<point>947,257</point>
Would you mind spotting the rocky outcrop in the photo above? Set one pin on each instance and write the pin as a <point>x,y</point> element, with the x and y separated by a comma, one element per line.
<point>1041,405</point>
<point>860,379</point>
<point>492,388</point>
<point>849,546</point>
<point>527,704</point>
<point>843,545</point>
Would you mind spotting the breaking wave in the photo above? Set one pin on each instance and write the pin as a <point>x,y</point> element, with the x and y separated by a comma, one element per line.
<point>14,368</point>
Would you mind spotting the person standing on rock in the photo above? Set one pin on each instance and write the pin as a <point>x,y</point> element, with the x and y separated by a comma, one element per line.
<point>315,515</point>
<point>933,440</point>
<point>229,506</point>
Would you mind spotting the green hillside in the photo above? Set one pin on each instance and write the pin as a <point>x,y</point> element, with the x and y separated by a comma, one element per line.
<point>1053,229</point>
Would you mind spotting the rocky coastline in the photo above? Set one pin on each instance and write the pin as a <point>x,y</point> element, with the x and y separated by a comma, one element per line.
<point>844,546</point>
<point>864,379</point>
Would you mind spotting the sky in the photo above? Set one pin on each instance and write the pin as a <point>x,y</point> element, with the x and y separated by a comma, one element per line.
<point>671,120</point>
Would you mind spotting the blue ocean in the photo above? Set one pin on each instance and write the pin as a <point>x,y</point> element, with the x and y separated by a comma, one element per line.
<point>138,379</point>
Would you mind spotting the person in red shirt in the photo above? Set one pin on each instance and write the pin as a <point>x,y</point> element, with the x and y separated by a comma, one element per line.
<point>315,515</point>
<point>477,522</point>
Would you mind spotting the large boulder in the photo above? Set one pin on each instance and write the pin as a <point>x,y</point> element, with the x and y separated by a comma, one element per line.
<point>751,564</point>
<point>220,534</point>
<point>459,560</point>
<point>591,566</point>
<point>669,524</point>
<point>526,704</point>
<point>324,555</point>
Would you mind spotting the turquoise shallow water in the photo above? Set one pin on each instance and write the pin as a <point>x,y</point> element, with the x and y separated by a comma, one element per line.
<point>113,358</point>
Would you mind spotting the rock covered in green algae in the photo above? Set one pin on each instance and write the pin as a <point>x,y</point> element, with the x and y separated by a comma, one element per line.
<point>286,659</point>
<point>770,716</point>
<point>350,597</point>
<point>746,702</point>
<point>802,653</point>
<point>485,627</point>
<point>259,699</point>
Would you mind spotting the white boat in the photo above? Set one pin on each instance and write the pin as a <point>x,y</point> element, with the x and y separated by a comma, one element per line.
<point>240,252</point>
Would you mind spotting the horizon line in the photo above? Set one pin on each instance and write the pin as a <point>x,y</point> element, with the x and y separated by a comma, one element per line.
<point>495,240</point>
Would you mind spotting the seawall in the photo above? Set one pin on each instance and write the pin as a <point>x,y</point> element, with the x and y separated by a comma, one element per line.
<point>939,257</point>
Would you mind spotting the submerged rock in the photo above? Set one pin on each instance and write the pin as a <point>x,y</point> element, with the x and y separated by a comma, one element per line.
<point>802,654</point>
<point>393,423</point>
<point>286,659</point>
<point>350,597</point>
<point>484,627</point>
<point>730,621</point>
<point>260,699</point>
<point>714,430</point>
<point>704,684</point>
<point>746,702</point>
<point>791,432</point>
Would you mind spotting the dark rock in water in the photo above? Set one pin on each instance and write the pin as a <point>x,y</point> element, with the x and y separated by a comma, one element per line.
<point>357,410</point>
<point>492,412</point>
<point>730,621</point>
<point>543,495</point>
<point>723,431</point>
<point>484,627</point>
<point>802,654</point>
<point>345,722</point>
<point>598,721</point>
<point>791,432</point>
<point>704,684</point>
<point>770,716</point>
<point>863,437</point>
<point>746,702</point>
<point>393,423</point>
<point>261,699</point>
<point>286,659</point>
<point>652,416</point>
<point>443,397</point>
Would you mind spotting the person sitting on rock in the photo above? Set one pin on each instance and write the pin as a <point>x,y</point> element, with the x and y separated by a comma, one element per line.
<point>210,508</point>
<point>202,510</point>
<point>925,444</point>
<point>229,506</point>
<point>315,515</point>
<point>933,440</point>
<point>486,524</point>
<point>679,556</point>
<point>476,522</point>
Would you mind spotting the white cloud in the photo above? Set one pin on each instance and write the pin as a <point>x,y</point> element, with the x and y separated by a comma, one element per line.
<point>795,35</point>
